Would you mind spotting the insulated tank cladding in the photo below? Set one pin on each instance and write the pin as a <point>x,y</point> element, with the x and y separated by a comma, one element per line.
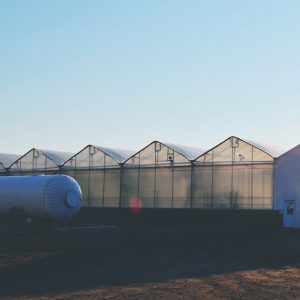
<point>55,197</point>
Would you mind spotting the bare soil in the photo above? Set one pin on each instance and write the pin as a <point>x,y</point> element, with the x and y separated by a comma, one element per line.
<point>148,263</point>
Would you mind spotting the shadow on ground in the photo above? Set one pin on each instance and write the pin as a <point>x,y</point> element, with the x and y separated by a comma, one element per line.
<point>45,265</point>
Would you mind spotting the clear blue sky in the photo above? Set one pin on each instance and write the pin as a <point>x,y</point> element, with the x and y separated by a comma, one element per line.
<point>123,73</point>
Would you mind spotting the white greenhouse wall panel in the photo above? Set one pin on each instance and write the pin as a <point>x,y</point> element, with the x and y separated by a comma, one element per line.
<point>98,171</point>
<point>100,188</point>
<point>36,162</point>
<point>238,186</point>
<point>287,187</point>
<point>157,187</point>
<point>233,175</point>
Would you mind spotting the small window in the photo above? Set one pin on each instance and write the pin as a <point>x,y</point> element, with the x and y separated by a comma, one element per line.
<point>170,157</point>
<point>290,208</point>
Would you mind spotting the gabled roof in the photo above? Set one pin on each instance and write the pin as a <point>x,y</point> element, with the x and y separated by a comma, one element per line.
<point>118,155</point>
<point>272,151</point>
<point>7,159</point>
<point>57,157</point>
<point>189,153</point>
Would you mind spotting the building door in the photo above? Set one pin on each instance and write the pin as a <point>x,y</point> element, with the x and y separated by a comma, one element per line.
<point>289,214</point>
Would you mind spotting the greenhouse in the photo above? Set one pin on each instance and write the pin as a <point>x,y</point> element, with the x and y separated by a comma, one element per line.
<point>158,176</point>
<point>37,161</point>
<point>98,171</point>
<point>6,160</point>
<point>236,174</point>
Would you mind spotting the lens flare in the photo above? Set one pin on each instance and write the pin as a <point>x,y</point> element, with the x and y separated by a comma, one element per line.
<point>135,204</point>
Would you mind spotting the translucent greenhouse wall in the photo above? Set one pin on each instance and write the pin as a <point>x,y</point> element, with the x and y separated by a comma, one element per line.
<point>234,174</point>
<point>34,163</point>
<point>98,175</point>
<point>6,160</point>
<point>158,176</point>
<point>3,171</point>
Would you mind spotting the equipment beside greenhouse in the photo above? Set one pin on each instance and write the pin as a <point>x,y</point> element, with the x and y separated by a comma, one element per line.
<point>49,197</point>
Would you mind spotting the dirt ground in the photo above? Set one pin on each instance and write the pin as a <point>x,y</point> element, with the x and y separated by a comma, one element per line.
<point>152,264</point>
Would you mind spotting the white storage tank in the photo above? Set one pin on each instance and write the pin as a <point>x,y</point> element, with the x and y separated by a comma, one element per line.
<point>55,197</point>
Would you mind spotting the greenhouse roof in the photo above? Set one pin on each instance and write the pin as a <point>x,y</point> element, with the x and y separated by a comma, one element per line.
<point>58,157</point>
<point>274,151</point>
<point>190,153</point>
<point>8,159</point>
<point>119,155</point>
<point>186,152</point>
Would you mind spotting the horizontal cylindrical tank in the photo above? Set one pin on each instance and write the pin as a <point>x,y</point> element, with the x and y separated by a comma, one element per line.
<point>55,197</point>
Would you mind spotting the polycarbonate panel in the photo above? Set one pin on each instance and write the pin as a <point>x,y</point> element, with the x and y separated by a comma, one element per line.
<point>202,187</point>
<point>6,160</point>
<point>241,151</point>
<point>223,153</point>
<point>130,187</point>
<point>57,157</point>
<point>242,184</point>
<point>234,150</point>
<point>80,160</point>
<point>96,188</point>
<point>163,191</point>
<point>146,156</point>
<point>221,187</point>
<point>99,159</point>
<point>182,187</point>
<point>157,154</point>
<point>206,158</point>
<point>167,156</point>
<point>260,156</point>
<point>189,152</point>
<point>111,188</point>
<point>70,164</point>
<point>91,157</point>
<point>33,161</point>
<point>147,187</point>
<point>247,186</point>
<point>2,170</point>
<point>262,187</point>
<point>83,179</point>
<point>273,151</point>
<point>239,180</point>
<point>118,155</point>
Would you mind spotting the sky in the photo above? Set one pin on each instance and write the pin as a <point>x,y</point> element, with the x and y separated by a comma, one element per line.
<point>124,73</point>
